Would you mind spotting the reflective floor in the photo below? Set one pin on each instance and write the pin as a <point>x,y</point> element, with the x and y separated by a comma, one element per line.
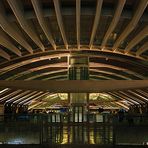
<point>40,131</point>
<point>21,133</point>
<point>78,134</point>
<point>67,134</point>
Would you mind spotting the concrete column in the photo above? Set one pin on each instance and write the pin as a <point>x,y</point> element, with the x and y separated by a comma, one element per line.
<point>78,69</point>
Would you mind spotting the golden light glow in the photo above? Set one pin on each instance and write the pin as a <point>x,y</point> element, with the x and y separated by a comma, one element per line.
<point>91,137</point>
<point>95,96</point>
<point>63,96</point>
<point>65,136</point>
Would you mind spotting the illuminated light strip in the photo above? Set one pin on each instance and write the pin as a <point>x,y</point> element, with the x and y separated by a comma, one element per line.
<point>119,52</point>
<point>142,92</point>
<point>122,97</point>
<point>91,64</point>
<point>126,102</point>
<point>43,74</point>
<point>16,65</point>
<point>22,98</point>
<point>17,96</point>
<point>110,73</point>
<point>124,106</point>
<point>35,105</point>
<point>16,76</point>
<point>36,59</point>
<point>127,95</point>
<point>9,95</point>
<point>107,97</point>
<point>119,59</point>
<point>30,101</point>
<point>46,73</point>
<point>127,98</point>
<point>56,77</point>
<point>52,95</point>
<point>138,95</point>
<point>30,97</point>
<point>56,96</point>
<point>49,66</point>
<point>114,105</point>
<point>65,76</point>
<point>4,90</point>
<point>104,77</point>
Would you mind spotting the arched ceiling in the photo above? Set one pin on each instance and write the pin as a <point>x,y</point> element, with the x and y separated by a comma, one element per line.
<point>37,36</point>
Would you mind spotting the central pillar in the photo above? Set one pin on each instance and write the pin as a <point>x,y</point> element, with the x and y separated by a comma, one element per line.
<point>78,69</point>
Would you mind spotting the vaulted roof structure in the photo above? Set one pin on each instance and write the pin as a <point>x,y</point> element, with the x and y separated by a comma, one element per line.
<point>38,36</point>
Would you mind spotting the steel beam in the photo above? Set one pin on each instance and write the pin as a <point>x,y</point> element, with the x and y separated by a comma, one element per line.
<point>6,26</point>
<point>142,34</point>
<point>75,86</point>
<point>130,27</point>
<point>96,22</point>
<point>142,49</point>
<point>4,54</point>
<point>40,16</point>
<point>114,22</point>
<point>78,14</point>
<point>60,21</point>
<point>4,41</point>
<point>18,12</point>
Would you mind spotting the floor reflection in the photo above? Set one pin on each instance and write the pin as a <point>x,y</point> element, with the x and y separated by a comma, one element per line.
<point>78,134</point>
<point>19,134</point>
<point>101,134</point>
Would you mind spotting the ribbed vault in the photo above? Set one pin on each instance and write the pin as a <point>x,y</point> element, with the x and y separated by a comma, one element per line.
<point>37,37</point>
